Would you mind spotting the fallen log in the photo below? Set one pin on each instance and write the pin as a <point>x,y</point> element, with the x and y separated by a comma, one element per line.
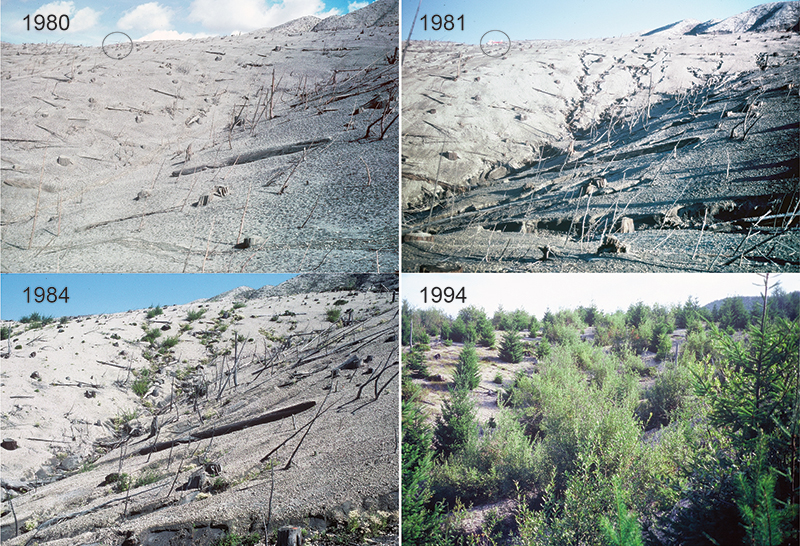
<point>233,427</point>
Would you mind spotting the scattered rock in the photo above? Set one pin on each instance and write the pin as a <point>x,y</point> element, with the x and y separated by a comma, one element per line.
<point>613,245</point>
<point>90,394</point>
<point>135,427</point>
<point>452,156</point>
<point>9,444</point>
<point>213,469</point>
<point>15,485</point>
<point>64,161</point>
<point>546,250</point>
<point>595,184</point>
<point>352,363</point>
<point>166,327</point>
<point>70,463</point>
<point>522,117</point>
<point>189,498</point>
<point>142,195</point>
<point>35,375</point>
<point>111,478</point>
<point>203,201</point>
<point>432,111</point>
<point>198,480</point>
<point>33,354</point>
<point>497,173</point>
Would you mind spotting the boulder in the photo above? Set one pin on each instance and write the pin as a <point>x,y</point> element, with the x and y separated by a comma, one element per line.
<point>613,245</point>
<point>15,485</point>
<point>497,173</point>
<point>70,463</point>
<point>213,469</point>
<point>9,444</point>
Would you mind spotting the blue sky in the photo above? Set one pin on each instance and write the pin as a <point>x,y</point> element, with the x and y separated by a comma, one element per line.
<point>91,294</point>
<point>92,20</point>
<point>609,291</point>
<point>562,19</point>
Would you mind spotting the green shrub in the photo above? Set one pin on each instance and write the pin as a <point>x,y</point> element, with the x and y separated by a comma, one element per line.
<point>542,350</point>
<point>151,334</point>
<point>168,343</point>
<point>420,522</point>
<point>239,305</point>
<point>146,478</point>
<point>626,531</point>
<point>5,332</point>
<point>666,395</point>
<point>415,361</point>
<point>219,485</point>
<point>233,539</point>
<point>467,374</point>
<point>141,385</point>
<point>332,315</point>
<point>456,427</point>
<point>192,316</point>
<point>33,317</point>
<point>35,320</point>
<point>511,348</point>
<point>122,482</point>
<point>154,312</point>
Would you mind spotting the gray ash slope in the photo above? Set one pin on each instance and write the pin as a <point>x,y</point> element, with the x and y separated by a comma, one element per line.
<point>692,137</point>
<point>167,159</point>
<point>345,464</point>
<point>316,282</point>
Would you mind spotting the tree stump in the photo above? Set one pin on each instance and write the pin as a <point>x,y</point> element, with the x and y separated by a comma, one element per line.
<point>626,225</point>
<point>290,536</point>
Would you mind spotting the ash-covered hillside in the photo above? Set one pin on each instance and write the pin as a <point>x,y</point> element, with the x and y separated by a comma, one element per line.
<point>270,151</point>
<point>188,423</point>
<point>671,151</point>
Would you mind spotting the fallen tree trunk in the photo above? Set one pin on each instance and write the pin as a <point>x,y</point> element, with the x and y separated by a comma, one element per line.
<point>233,427</point>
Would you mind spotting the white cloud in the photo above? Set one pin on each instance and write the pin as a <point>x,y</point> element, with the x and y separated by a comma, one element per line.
<point>228,16</point>
<point>170,35</point>
<point>149,16</point>
<point>84,19</point>
<point>353,6</point>
<point>57,8</point>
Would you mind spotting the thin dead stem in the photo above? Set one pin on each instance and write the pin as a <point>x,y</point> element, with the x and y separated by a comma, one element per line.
<point>36,211</point>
